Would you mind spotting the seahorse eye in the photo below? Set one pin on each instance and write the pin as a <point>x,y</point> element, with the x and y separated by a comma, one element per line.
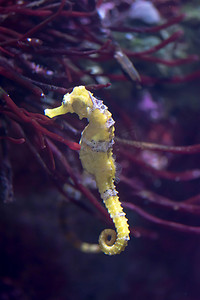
<point>80,107</point>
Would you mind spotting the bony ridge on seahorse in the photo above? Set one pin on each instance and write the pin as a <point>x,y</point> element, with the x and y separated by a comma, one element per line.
<point>97,159</point>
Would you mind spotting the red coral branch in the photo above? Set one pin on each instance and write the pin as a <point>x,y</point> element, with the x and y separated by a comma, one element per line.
<point>163,223</point>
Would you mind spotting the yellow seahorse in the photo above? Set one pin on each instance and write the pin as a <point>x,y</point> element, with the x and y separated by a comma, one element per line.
<point>97,159</point>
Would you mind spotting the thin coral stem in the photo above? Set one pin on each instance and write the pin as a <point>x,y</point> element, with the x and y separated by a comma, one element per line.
<point>161,148</point>
<point>175,36</point>
<point>190,205</point>
<point>172,21</point>
<point>170,63</point>
<point>33,30</point>
<point>164,223</point>
<point>28,12</point>
<point>72,51</point>
<point>78,14</point>
<point>11,74</point>
<point>6,52</point>
<point>168,203</point>
<point>193,200</point>
<point>177,176</point>
<point>186,78</point>
<point>13,140</point>
<point>40,129</point>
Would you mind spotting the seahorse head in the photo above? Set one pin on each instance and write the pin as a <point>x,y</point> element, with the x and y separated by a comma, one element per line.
<point>79,102</point>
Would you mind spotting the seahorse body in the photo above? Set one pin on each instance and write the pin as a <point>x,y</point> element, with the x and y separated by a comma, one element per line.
<point>97,159</point>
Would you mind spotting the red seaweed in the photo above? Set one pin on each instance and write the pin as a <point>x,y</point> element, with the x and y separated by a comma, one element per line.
<point>142,71</point>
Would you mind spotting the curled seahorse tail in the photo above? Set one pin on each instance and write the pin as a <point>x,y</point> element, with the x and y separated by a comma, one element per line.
<point>111,242</point>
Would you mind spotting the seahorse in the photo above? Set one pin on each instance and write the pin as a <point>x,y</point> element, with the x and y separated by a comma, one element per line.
<point>96,155</point>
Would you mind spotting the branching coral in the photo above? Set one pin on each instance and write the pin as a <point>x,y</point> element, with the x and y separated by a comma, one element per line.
<point>58,45</point>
